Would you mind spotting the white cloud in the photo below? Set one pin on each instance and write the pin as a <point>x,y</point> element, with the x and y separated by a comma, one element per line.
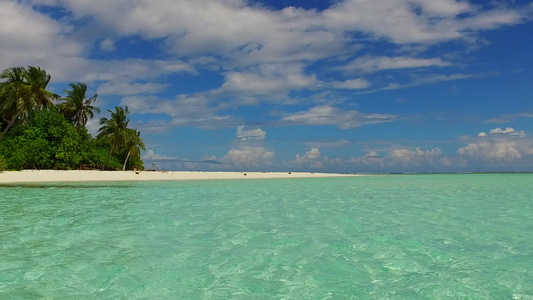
<point>229,27</point>
<point>500,145</point>
<point>510,117</point>
<point>328,115</point>
<point>262,52</point>
<point>248,35</point>
<point>431,79</point>
<point>352,84</point>
<point>371,154</point>
<point>107,45</point>
<point>127,70</point>
<point>499,130</point>
<point>403,158</point>
<point>274,83</point>
<point>311,158</point>
<point>245,134</point>
<point>257,84</point>
<point>152,126</point>
<point>162,162</point>
<point>31,38</point>
<point>328,143</point>
<point>416,21</point>
<point>370,159</point>
<point>184,111</point>
<point>248,151</point>
<point>76,68</point>
<point>93,125</point>
<point>312,154</point>
<point>503,149</point>
<point>491,150</point>
<point>424,80</point>
<point>493,19</point>
<point>509,131</point>
<point>315,160</point>
<point>123,88</point>
<point>249,157</point>
<point>266,79</point>
<point>378,63</point>
<point>150,155</point>
<point>415,157</point>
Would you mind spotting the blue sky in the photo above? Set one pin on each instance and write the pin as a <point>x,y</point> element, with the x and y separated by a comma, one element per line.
<point>323,86</point>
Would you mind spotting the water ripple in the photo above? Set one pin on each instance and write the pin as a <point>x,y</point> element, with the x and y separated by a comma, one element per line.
<point>394,237</point>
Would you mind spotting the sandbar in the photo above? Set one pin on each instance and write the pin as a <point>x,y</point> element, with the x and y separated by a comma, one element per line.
<point>27,176</point>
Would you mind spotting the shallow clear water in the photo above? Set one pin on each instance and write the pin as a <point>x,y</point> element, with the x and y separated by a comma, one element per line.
<point>382,237</point>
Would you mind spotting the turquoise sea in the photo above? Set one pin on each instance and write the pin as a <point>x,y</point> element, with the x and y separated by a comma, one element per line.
<point>464,236</point>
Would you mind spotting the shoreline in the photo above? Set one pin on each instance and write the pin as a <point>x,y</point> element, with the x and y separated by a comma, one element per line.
<point>35,176</point>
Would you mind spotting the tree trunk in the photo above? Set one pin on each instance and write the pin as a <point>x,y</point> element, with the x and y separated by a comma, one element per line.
<point>108,157</point>
<point>126,161</point>
<point>10,124</point>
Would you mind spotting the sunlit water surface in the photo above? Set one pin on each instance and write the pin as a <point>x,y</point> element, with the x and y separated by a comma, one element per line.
<point>377,237</point>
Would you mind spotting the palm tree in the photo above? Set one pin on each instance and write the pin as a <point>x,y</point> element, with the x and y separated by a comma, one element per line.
<point>77,107</point>
<point>22,91</point>
<point>14,99</point>
<point>36,80</point>
<point>134,146</point>
<point>8,87</point>
<point>115,129</point>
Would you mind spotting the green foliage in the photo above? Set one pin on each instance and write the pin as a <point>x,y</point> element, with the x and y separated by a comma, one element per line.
<point>135,162</point>
<point>47,141</point>
<point>3,164</point>
<point>36,134</point>
<point>95,152</point>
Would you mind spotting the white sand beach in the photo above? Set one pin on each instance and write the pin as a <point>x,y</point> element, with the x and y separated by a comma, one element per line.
<point>81,176</point>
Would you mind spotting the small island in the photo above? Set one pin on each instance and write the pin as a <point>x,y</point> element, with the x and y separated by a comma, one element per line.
<point>43,130</point>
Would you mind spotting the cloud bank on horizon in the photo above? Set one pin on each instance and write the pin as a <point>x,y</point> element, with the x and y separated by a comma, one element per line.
<point>345,86</point>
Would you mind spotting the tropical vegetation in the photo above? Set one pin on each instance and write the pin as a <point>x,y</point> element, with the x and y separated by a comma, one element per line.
<point>42,130</point>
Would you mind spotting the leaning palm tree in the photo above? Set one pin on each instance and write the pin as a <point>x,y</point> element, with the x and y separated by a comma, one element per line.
<point>134,146</point>
<point>115,130</point>
<point>22,91</point>
<point>15,99</point>
<point>77,107</point>
<point>10,91</point>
